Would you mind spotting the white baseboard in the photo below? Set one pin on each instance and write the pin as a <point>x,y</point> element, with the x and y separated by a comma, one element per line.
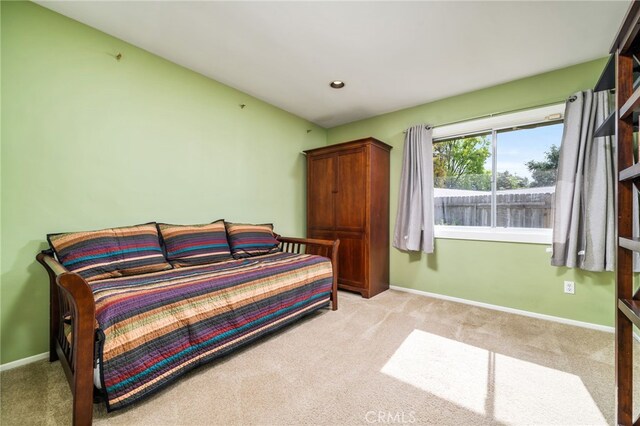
<point>23,361</point>
<point>511,310</point>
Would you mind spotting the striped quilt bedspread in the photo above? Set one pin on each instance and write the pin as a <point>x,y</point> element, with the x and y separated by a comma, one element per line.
<point>156,327</point>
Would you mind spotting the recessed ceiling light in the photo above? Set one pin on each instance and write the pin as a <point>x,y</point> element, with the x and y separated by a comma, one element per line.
<point>337,84</point>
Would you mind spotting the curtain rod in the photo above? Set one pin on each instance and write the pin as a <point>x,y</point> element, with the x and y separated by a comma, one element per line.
<point>494,114</point>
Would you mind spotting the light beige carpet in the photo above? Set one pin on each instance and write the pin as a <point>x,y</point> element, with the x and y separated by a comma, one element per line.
<point>397,358</point>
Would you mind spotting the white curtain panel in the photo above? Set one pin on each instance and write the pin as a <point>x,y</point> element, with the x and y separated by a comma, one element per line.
<point>414,220</point>
<point>584,222</point>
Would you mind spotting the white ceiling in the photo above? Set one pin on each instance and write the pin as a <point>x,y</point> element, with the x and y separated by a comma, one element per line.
<point>392,55</point>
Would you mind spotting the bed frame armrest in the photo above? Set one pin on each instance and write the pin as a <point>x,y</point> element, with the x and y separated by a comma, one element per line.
<point>326,248</point>
<point>71,301</point>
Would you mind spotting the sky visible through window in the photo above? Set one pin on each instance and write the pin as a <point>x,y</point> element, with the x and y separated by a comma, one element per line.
<point>515,148</point>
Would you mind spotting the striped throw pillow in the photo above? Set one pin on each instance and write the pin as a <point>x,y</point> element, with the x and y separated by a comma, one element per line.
<point>109,253</point>
<point>188,245</point>
<point>251,240</point>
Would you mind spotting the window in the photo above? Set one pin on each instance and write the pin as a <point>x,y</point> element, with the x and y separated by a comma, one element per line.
<point>527,161</point>
<point>462,181</point>
<point>499,180</point>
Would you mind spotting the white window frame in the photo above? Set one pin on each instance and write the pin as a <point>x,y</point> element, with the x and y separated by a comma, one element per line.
<point>492,125</point>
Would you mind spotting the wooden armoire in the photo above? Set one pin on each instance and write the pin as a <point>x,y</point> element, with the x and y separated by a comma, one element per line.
<point>348,198</point>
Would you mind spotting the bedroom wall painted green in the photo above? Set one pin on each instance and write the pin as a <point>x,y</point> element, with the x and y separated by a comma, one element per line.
<point>89,142</point>
<point>506,274</point>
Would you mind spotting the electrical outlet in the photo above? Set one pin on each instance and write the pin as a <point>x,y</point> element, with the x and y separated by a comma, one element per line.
<point>569,287</point>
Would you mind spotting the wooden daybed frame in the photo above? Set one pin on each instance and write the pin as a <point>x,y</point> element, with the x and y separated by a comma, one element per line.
<point>71,302</point>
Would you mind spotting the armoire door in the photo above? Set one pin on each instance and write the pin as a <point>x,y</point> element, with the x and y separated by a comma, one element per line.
<point>350,200</point>
<point>321,192</point>
<point>349,221</point>
<point>351,260</point>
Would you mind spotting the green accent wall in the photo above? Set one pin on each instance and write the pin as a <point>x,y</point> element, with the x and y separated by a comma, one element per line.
<point>90,142</point>
<point>507,274</point>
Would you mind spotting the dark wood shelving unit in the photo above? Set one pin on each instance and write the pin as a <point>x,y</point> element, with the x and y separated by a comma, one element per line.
<point>607,80</point>
<point>631,105</point>
<point>623,64</point>
<point>632,244</point>
<point>630,173</point>
<point>631,309</point>
<point>608,126</point>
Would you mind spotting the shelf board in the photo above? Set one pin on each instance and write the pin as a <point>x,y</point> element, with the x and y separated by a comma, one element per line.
<point>607,80</point>
<point>630,243</point>
<point>631,309</point>
<point>630,173</point>
<point>608,126</point>
<point>631,105</point>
